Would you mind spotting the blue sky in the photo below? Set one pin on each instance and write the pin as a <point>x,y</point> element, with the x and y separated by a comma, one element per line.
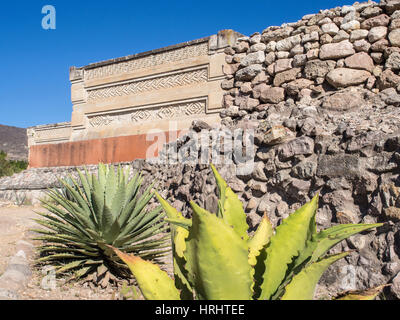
<point>34,87</point>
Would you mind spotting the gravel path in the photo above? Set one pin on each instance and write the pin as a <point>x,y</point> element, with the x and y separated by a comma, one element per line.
<point>14,225</point>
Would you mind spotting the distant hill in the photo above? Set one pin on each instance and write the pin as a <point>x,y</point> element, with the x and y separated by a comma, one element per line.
<point>14,142</point>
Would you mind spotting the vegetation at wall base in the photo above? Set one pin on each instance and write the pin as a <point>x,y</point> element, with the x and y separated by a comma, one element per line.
<point>85,217</point>
<point>216,259</point>
<point>9,167</point>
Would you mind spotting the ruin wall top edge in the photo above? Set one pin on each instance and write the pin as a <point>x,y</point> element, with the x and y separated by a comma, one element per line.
<point>142,54</point>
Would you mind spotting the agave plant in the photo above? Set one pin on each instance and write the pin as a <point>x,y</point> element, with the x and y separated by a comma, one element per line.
<point>107,209</point>
<point>216,259</point>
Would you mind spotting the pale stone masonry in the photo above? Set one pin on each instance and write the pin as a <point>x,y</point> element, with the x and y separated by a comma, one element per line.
<point>133,94</point>
<point>50,133</point>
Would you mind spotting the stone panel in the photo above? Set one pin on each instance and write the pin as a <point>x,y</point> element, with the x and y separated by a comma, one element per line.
<point>54,133</point>
<point>108,150</point>
<point>148,61</point>
<point>167,112</point>
<point>140,92</point>
<point>138,86</point>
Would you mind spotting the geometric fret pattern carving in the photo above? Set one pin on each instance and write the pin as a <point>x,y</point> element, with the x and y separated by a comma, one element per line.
<point>148,61</point>
<point>98,121</point>
<point>163,82</point>
<point>168,112</point>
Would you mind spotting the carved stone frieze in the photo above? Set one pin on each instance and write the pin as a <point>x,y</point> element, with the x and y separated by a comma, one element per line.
<point>49,133</point>
<point>148,61</point>
<point>138,86</point>
<point>166,112</point>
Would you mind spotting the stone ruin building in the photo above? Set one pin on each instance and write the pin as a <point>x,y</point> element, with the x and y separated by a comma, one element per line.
<point>116,102</point>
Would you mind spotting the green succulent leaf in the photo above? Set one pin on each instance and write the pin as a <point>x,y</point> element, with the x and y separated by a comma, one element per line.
<point>234,214</point>
<point>285,245</point>
<point>222,186</point>
<point>328,238</point>
<point>69,266</point>
<point>230,207</point>
<point>217,259</point>
<point>179,233</point>
<point>171,212</point>
<point>181,281</point>
<point>154,283</point>
<point>260,239</point>
<point>87,214</point>
<point>184,224</point>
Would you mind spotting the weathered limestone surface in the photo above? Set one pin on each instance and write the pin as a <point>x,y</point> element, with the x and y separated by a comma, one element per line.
<point>131,95</point>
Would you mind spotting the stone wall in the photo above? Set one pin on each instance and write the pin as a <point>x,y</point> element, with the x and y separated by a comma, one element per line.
<point>125,98</point>
<point>106,150</point>
<point>308,61</point>
<point>320,99</point>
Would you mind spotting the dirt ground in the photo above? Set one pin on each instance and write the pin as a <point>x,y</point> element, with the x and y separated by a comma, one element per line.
<point>15,223</point>
<point>70,291</point>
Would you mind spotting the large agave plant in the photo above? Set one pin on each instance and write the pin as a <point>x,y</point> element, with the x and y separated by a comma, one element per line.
<point>216,259</point>
<point>107,209</point>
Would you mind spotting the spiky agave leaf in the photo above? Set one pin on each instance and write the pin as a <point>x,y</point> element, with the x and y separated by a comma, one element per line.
<point>95,211</point>
<point>154,283</point>
<point>217,259</point>
<point>220,263</point>
<point>289,239</point>
<point>302,286</point>
<point>179,233</point>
